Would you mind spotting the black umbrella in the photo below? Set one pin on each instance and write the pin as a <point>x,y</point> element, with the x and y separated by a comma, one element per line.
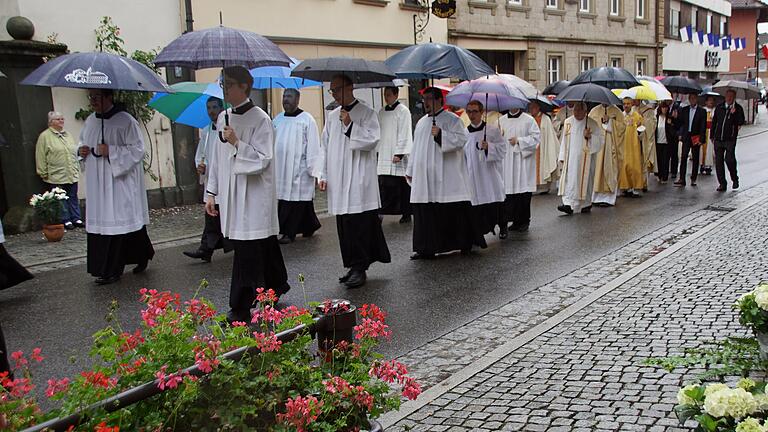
<point>545,105</point>
<point>357,69</point>
<point>591,93</point>
<point>556,87</point>
<point>606,76</point>
<point>681,85</point>
<point>435,61</point>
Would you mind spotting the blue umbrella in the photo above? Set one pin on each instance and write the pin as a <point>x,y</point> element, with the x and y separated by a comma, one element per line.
<point>268,77</point>
<point>221,47</point>
<point>434,60</point>
<point>96,70</point>
<point>187,105</point>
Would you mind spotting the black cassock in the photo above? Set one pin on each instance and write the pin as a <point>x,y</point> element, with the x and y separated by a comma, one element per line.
<point>444,227</point>
<point>11,272</point>
<point>212,237</point>
<point>395,195</point>
<point>257,264</point>
<point>109,254</point>
<point>485,217</point>
<point>297,217</point>
<point>362,240</point>
<point>4,366</point>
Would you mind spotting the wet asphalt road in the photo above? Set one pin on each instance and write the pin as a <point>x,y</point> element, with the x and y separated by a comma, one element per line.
<point>59,310</point>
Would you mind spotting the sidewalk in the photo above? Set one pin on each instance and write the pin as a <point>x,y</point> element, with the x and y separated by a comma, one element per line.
<point>568,355</point>
<point>168,227</point>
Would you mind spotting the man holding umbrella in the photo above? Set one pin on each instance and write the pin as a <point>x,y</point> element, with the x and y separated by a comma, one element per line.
<point>112,148</point>
<point>726,122</point>
<point>349,141</point>
<point>241,180</point>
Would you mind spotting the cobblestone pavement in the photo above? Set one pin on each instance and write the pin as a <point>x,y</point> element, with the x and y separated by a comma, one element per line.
<point>585,372</point>
<point>168,227</point>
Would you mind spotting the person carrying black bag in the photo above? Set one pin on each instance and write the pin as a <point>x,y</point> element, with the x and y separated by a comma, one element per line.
<point>726,122</point>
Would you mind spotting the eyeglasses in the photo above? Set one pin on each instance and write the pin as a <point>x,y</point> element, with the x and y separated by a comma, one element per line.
<point>472,111</point>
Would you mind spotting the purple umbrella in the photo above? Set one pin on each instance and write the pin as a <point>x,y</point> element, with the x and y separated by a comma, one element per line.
<point>498,93</point>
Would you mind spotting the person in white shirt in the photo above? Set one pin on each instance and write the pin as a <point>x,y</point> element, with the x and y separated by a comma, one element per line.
<point>485,151</point>
<point>241,180</point>
<point>441,191</point>
<point>393,149</point>
<point>112,152</point>
<point>212,237</point>
<point>349,141</point>
<point>298,158</point>
<point>523,135</point>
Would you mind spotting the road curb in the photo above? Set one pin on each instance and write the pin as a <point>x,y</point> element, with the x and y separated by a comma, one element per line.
<point>439,389</point>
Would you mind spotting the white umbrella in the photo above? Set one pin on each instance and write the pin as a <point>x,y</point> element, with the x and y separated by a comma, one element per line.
<point>743,89</point>
<point>524,86</point>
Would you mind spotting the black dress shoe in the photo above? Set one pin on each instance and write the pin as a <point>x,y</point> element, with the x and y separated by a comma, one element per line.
<point>141,267</point>
<point>286,239</point>
<point>345,278</point>
<point>565,209</point>
<point>106,280</point>
<point>721,188</point>
<point>587,209</point>
<point>79,224</point>
<point>521,228</point>
<point>467,251</point>
<point>679,183</point>
<point>735,185</point>
<point>405,219</point>
<point>421,256</point>
<point>503,231</point>
<point>356,279</point>
<point>199,254</point>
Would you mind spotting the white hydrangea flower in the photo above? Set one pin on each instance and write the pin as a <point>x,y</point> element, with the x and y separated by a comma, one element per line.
<point>762,401</point>
<point>761,296</point>
<point>714,388</point>
<point>750,425</point>
<point>746,384</point>
<point>47,195</point>
<point>684,399</point>
<point>736,403</point>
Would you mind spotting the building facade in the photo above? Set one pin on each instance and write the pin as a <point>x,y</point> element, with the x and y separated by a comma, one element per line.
<point>745,16</point>
<point>544,41</point>
<point>702,62</point>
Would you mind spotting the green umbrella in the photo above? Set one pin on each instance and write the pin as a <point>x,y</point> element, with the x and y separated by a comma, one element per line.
<point>187,104</point>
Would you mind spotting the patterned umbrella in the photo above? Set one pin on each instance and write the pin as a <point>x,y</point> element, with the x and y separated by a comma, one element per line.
<point>221,47</point>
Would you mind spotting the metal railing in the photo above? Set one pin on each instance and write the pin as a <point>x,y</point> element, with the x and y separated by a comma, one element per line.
<point>328,329</point>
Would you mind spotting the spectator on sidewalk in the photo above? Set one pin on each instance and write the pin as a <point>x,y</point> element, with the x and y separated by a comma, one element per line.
<point>692,130</point>
<point>11,273</point>
<point>666,141</point>
<point>212,237</point>
<point>112,148</point>
<point>57,165</point>
<point>727,119</point>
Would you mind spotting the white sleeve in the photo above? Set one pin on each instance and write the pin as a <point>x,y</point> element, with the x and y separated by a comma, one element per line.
<point>561,157</point>
<point>124,157</point>
<point>453,136</point>
<point>315,157</point>
<point>322,165</point>
<point>497,145</point>
<point>527,144</point>
<point>365,130</point>
<point>404,133</point>
<point>212,168</point>
<point>201,146</point>
<point>254,156</point>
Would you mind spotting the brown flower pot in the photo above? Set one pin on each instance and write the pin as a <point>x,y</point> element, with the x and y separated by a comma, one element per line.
<point>53,233</point>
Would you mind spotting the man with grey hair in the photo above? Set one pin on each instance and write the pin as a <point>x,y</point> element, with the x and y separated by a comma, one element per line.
<point>579,145</point>
<point>298,159</point>
<point>727,119</point>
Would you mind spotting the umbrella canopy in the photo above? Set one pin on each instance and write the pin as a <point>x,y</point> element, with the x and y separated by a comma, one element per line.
<point>661,91</point>
<point>221,47</point>
<point>544,103</point>
<point>524,86</point>
<point>648,91</point>
<point>681,84</point>
<point>648,78</point>
<point>391,83</point>
<point>359,70</point>
<point>606,76</point>
<point>187,105</point>
<point>556,87</point>
<point>592,93</point>
<point>96,70</point>
<point>2,75</point>
<point>743,89</point>
<point>494,92</point>
<point>267,77</point>
<point>435,61</point>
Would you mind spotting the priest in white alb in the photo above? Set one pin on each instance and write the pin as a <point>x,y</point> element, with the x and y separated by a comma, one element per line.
<point>610,156</point>
<point>241,180</point>
<point>548,150</point>
<point>523,135</point>
<point>112,152</point>
<point>297,158</point>
<point>578,150</point>
<point>393,150</point>
<point>485,150</point>
<point>441,193</point>
<point>349,141</point>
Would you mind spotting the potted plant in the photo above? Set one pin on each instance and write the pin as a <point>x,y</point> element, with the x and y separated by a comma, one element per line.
<point>753,313</point>
<point>720,408</point>
<point>49,209</point>
<point>285,387</point>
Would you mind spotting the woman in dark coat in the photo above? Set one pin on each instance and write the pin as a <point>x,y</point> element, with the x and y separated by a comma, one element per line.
<point>666,143</point>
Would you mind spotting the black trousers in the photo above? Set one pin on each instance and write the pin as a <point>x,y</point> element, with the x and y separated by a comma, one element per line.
<point>212,237</point>
<point>674,160</point>
<point>725,155</point>
<point>662,156</point>
<point>361,240</point>
<point>109,254</point>
<point>444,227</point>
<point>516,209</point>
<point>256,264</point>
<point>297,217</point>
<point>4,366</point>
<point>695,151</point>
<point>395,195</point>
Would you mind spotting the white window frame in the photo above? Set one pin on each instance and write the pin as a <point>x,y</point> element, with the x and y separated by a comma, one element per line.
<point>554,66</point>
<point>553,4</point>
<point>674,30</point>
<point>515,2</point>
<point>584,6</point>
<point>641,70</point>
<point>616,61</point>
<point>640,5</point>
<point>615,7</point>
<point>709,23</point>
<point>694,18</point>
<point>723,22</point>
<point>587,61</point>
